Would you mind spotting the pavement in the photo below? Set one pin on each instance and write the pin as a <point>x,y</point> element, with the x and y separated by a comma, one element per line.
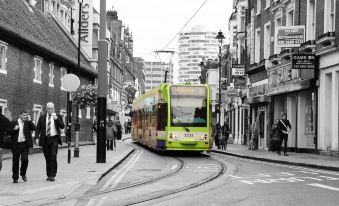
<point>72,179</point>
<point>299,159</point>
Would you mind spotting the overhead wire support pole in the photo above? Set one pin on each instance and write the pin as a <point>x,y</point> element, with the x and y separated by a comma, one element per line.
<point>170,62</point>
<point>102,86</point>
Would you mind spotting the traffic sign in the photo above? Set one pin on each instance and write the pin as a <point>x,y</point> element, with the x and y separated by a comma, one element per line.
<point>70,82</point>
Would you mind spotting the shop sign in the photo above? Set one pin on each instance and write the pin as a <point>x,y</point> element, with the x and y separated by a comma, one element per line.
<point>238,70</point>
<point>239,82</point>
<point>289,36</point>
<point>303,61</point>
<point>232,93</point>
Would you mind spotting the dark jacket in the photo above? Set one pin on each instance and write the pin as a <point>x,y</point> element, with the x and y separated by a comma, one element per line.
<point>275,132</point>
<point>28,128</point>
<point>282,126</point>
<point>4,126</point>
<point>40,132</point>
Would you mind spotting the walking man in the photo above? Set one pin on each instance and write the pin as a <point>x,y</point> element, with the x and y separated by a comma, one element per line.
<point>47,135</point>
<point>225,135</point>
<point>129,126</point>
<point>284,128</point>
<point>4,126</point>
<point>21,132</point>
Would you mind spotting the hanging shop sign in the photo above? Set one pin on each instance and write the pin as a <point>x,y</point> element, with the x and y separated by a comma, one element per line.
<point>240,82</point>
<point>238,70</point>
<point>232,93</point>
<point>289,36</point>
<point>303,61</point>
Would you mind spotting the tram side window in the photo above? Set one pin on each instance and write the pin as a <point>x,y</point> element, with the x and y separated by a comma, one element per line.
<point>162,116</point>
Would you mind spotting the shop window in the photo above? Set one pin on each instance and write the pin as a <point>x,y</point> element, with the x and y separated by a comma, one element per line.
<point>309,113</point>
<point>3,59</point>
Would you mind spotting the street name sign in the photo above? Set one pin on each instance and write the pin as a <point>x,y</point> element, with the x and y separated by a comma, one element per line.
<point>238,70</point>
<point>303,61</point>
<point>289,36</point>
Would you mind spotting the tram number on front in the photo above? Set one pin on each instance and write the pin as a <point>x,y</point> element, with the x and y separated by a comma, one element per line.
<point>188,135</point>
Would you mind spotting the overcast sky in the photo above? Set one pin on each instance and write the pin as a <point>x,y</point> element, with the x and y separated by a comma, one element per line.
<point>154,23</point>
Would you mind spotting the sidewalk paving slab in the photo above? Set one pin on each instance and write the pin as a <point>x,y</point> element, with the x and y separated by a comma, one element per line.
<point>298,159</point>
<point>72,179</point>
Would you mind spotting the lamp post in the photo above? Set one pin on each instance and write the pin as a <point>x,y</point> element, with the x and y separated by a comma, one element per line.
<point>220,37</point>
<point>77,124</point>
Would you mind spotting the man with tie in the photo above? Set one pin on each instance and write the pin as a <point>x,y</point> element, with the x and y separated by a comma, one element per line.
<point>21,133</point>
<point>47,135</point>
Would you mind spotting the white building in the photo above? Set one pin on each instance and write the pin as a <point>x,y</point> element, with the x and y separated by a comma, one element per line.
<point>194,46</point>
<point>155,74</point>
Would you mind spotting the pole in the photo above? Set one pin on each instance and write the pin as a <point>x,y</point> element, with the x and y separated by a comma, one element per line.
<point>77,124</point>
<point>69,125</point>
<point>220,83</point>
<point>102,86</point>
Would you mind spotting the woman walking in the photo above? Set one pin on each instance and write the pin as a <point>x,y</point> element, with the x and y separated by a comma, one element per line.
<point>275,137</point>
<point>110,135</point>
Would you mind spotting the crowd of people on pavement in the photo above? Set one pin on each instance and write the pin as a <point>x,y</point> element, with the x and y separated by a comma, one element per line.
<point>16,136</point>
<point>278,135</point>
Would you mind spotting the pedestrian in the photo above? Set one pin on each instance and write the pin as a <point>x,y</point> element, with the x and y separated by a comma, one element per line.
<point>21,133</point>
<point>125,126</point>
<point>94,131</point>
<point>129,126</point>
<point>119,130</point>
<point>225,135</point>
<point>47,135</point>
<point>284,128</point>
<point>217,135</point>
<point>275,137</point>
<point>4,128</point>
<point>111,131</point>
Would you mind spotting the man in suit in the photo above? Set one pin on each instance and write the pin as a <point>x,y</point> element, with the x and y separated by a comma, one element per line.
<point>47,135</point>
<point>284,128</point>
<point>21,132</point>
<point>4,126</point>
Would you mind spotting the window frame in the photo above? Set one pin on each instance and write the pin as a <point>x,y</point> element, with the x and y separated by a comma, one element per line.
<point>63,72</point>
<point>257,45</point>
<point>267,40</point>
<point>329,20</point>
<point>258,7</point>
<point>51,74</point>
<point>3,63</point>
<point>3,104</point>
<point>37,70</point>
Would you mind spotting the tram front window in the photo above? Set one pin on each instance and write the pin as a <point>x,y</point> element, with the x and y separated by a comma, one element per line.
<point>188,106</point>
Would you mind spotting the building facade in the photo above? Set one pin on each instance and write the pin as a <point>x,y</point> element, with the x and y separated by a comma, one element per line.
<point>155,74</point>
<point>195,45</point>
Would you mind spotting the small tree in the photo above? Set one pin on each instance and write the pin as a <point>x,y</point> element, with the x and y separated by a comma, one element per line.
<point>85,96</point>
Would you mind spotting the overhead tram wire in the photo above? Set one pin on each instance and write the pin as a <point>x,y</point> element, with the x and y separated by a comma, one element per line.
<point>184,25</point>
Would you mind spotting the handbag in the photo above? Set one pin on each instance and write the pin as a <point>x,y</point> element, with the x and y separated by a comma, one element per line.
<point>7,141</point>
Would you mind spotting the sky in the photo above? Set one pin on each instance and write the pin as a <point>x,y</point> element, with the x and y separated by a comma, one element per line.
<point>154,23</point>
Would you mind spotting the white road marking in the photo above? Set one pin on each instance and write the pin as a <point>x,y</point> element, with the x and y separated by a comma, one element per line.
<point>201,170</point>
<point>324,186</point>
<point>101,201</point>
<point>122,170</point>
<point>174,167</point>
<point>91,202</point>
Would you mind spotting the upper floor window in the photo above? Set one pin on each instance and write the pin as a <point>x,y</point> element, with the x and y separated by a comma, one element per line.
<point>63,72</point>
<point>290,18</point>
<point>268,4</point>
<point>277,24</point>
<point>267,40</point>
<point>257,46</point>
<point>37,70</point>
<point>310,20</point>
<point>3,105</point>
<point>259,6</point>
<point>51,75</point>
<point>3,59</point>
<point>329,15</point>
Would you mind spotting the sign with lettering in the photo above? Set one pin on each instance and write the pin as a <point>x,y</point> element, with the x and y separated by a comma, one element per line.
<point>303,61</point>
<point>240,82</point>
<point>289,36</point>
<point>238,70</point>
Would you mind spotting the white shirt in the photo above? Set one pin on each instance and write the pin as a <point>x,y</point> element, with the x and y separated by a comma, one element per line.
<point>52,129</point>
<point>21,137</point>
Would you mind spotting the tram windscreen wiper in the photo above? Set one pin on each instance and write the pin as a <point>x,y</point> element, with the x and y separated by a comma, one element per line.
<point>187,130</point>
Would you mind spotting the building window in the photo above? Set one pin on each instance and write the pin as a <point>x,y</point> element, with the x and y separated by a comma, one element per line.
<point>329,15</point>
<point>290,18</point>
<point>51,75</point>
<point>278,23</point>
<point>3,59</point>
<point>3,105</point>
<point>63,72</point>
<point>37,111</point>
<point>80,115</point>
<point>257,46</point>
<point>259,6</point>
<point>268,4</point>
<point>309,113</point>
<point>310,20</point>
<point>267,40</point>
<point>37,70</point>
<point>88,113</point>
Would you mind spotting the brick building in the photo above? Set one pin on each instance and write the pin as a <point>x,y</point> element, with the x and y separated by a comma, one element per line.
<point>35,52</point>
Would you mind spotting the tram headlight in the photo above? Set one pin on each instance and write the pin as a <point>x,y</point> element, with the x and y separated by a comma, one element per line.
<point>205,136</point>
<point>171,136</point>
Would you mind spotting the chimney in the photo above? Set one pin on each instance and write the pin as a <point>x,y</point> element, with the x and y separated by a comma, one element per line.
<point>111,15</point>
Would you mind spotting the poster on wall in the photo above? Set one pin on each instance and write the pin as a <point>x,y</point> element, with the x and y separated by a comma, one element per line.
<point>289,36</point>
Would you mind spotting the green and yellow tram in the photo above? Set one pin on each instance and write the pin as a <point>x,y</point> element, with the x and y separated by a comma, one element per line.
<point>174,117</point>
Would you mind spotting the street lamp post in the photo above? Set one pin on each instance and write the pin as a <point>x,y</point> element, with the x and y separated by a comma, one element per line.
<point>77,124</point>
<point>220,37</point>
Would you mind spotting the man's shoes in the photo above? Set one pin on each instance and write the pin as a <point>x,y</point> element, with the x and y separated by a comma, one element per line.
<point>24,178</point>
<point>52,179</point>
<point>15,181</point>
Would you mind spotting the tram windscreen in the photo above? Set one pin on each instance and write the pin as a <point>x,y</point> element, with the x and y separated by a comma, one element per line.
<point>188,106</point>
